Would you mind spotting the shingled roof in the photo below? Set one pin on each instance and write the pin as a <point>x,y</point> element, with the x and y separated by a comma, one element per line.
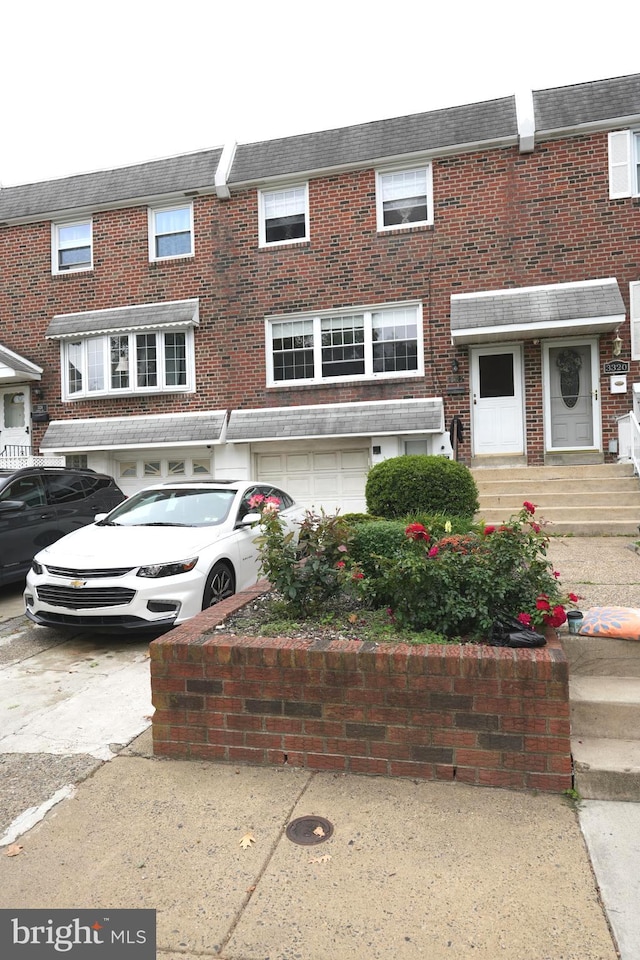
<point>172,313</point>
<point>375,418</point>
<point>183,174</point>
<point>135,432</point>
<point>491,121</point>
<point>587,103</point>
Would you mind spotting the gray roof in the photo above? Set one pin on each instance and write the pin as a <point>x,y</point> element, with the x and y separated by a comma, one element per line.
<point>493,120</point>
<point>171,314</point>
<point>587,103</point>
<point>555,309</point>
<point>90,191</point>
<point>377,418</point>
<point>123,432</point>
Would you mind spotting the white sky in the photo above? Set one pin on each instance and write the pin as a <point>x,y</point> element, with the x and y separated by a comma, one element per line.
<point>93,84</point>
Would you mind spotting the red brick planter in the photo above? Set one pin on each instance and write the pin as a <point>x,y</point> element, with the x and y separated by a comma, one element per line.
<point>472,713</point>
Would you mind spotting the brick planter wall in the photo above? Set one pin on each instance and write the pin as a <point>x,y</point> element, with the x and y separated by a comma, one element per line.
<point>472,713</point>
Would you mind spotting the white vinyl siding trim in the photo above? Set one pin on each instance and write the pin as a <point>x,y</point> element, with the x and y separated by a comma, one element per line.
<point>621,165</point>
<point>634,301</point>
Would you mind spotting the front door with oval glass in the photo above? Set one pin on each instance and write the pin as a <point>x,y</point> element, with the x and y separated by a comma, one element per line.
<point>14,420</point>
<point>573,402</point>
<point>496,394</point>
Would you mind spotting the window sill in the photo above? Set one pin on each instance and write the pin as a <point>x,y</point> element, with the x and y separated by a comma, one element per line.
<point>284,245</point>
<point>351,384</point>
<point>394,231</point>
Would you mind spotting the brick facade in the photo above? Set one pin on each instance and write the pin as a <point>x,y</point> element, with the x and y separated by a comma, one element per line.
<point>473,713</point>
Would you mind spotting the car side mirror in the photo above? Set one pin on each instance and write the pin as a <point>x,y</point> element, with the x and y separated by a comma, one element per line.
<point>249,519</point>
<point>11,506</point>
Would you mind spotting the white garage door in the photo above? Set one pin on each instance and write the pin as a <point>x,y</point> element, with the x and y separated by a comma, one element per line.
<point>328,477</point>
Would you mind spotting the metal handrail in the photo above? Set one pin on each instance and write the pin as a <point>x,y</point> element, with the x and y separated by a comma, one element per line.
<point>15,450</point>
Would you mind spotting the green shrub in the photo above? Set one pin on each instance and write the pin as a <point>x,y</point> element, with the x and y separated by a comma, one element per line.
<point>421,484</point>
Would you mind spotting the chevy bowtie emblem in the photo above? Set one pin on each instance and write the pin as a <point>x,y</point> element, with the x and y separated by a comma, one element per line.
<point>78,583</point>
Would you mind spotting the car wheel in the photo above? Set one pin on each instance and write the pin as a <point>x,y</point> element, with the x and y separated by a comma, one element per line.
<point>221,584</point>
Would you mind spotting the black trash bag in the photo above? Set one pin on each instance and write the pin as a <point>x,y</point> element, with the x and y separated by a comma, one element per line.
<point>509,632</point>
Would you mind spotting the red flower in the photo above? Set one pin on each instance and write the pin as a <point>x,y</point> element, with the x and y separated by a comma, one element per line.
<point>525,619</point>
<point>434,551</point>
<point>573,597</point>
<point>357,575</point>
<point>529,507</point>
<point>340,564</point>
<point>489,529</point>
<point>415,531</point>
<point>556,574</point>
<point>542,603</point>
<point>535,527</point>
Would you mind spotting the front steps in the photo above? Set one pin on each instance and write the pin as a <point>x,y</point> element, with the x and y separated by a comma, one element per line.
<point>589,500</point>
<point>604,693</point>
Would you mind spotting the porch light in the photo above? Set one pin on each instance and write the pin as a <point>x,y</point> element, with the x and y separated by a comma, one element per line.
<point>616,346</point>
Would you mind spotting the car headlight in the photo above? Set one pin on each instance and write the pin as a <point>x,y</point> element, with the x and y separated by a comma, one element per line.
<point>167,569</point>
<point>37,567</point>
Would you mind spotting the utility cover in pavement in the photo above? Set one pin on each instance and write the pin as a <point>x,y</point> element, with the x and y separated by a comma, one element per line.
<point>309,830</point>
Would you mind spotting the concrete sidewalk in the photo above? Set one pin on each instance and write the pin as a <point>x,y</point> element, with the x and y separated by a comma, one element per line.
<point>412,870</point>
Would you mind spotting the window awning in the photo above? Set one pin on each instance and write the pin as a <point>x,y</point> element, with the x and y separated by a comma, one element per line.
<point>527,313</point>
<point>173,313</point>
<point>374,419</point>
<point>15,369</point>
<point>121,433</point>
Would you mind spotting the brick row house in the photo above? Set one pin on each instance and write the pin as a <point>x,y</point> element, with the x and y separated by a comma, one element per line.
<point>301,308</point>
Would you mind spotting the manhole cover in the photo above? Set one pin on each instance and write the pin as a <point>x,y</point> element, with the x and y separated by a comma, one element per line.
<point>309,830</point>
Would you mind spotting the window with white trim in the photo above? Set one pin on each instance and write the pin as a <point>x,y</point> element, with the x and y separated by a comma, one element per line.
<point>284,215</point>
<point>171,232</point>
<point>154,361</point>
<point>71,246</point>
<point>624,164</point>
<point>404,198</point>
<point>366,344</point>
<point>634,314</point>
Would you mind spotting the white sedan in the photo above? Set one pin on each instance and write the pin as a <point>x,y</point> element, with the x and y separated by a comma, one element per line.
<point>165,554</point>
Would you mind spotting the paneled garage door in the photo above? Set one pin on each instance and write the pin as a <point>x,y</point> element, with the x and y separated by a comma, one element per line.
<point>328,477</point>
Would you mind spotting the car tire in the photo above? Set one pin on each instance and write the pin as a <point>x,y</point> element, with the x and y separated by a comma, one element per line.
<point>221,583</point>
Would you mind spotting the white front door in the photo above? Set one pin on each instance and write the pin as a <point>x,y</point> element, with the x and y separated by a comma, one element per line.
<point>14,418</point>
<point>496,395</point>
<point>572,397</point>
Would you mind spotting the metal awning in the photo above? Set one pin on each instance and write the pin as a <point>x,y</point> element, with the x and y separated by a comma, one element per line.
<point>528,313</point>
<point>374,419</point>
<point>173,313</point>
<point>15,369</point>
<point>121,433</point>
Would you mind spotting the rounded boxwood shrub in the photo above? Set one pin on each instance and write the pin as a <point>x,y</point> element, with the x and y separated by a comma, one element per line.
<point>421,484</point>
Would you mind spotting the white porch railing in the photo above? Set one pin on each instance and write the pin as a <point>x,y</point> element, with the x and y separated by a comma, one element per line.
<point>629,440</point>
<point>29,460</point>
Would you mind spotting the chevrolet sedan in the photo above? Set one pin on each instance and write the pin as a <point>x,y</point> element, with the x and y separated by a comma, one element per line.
<point>156,560</point>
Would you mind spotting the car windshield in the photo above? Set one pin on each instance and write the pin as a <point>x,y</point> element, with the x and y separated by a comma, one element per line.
<point>174,508</point>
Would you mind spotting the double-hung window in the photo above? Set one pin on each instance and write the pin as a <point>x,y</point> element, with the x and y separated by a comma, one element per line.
<point>284,215</point>
<point>365,344</point>
<point>71,246</point>
<point>153,361</point>
<point>404,198</point>
<point>624,164</point>
<point>171,232</point>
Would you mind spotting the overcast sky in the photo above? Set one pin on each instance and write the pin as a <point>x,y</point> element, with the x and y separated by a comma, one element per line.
<point>92,85</point>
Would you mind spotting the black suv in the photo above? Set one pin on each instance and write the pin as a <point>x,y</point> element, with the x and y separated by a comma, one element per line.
<point>41,504</point>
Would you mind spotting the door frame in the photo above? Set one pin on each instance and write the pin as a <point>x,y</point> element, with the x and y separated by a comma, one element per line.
<point>8,387</point>
<point>596,388</point>
<point>514,348</point>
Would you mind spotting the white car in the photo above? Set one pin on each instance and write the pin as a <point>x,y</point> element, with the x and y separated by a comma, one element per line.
<point>156,560</point>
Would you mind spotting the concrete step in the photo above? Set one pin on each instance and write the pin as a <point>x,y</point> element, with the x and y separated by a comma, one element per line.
<point>601,656</point>
<point>605,707</point>
<point>606,769</point>
<point>548,488</point>
<point>501,498</point>
<point>564,472</point>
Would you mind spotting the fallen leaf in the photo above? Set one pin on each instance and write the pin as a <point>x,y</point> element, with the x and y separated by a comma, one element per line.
<point>319,832</point>
<point>353,618</point>
<point>14,849</point>
<point>324,859</point>
<point>247,840</point>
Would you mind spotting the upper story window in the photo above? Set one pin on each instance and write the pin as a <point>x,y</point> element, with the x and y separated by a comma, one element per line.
<point>122,363</point>
<point>624,164</point>
<point>404,198</point>
<point>71,246</point>
<point>345,345</point>
<point>171,232</point>
<point>284,215</point>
